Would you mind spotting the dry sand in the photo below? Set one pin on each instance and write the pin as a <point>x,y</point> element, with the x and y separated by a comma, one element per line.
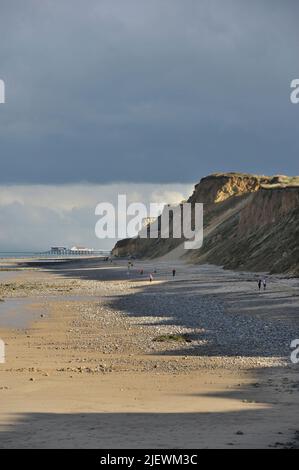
<point>83,368</point>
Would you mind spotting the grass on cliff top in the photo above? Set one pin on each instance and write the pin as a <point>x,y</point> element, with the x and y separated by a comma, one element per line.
<point>287,183</point>
<point>276,180</point>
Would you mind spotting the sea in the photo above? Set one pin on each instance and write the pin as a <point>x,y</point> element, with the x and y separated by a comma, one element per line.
<point>21,254</point>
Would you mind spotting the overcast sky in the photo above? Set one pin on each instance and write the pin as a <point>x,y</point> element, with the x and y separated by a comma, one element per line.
<point>143,91</point>
<point>36,217</point>
<point>147,90</point>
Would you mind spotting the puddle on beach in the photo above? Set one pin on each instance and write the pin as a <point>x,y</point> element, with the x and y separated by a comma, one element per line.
<point>10,275</point>
<point>19,313</point>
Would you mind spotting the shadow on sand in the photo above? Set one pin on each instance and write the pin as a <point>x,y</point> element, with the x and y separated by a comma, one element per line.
<point>195,303</point>
<point>263,424</point>
<point>271,418</point>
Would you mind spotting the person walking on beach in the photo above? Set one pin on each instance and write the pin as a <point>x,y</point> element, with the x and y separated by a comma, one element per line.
<point>259,283</point>
<point>151,277</point>
<point>173,273</point>
<point>264,283</point>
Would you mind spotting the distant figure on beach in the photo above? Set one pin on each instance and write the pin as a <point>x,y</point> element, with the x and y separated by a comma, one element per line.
<point>173,273</point>
<point>151,277</point>
<point>259,283</point>
<point>141,272</point>
<point>264,283</point>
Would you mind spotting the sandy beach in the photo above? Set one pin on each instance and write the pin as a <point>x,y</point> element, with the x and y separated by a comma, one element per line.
<point>99,357</point>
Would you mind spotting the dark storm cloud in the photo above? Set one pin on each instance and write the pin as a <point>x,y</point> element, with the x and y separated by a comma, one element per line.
<point>147,90</point>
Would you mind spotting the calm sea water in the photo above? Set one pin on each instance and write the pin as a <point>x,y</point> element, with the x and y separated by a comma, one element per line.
<point>19,254</point>
<point>36,254</point>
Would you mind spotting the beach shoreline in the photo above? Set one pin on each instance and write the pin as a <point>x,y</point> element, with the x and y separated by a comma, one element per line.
<point>108,352</point>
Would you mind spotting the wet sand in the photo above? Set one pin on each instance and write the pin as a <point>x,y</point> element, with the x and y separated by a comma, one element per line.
<point>91,371</point>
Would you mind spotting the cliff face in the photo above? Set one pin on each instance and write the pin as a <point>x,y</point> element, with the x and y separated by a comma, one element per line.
<point>250,222</point>
<point>268,207</point>
<point>220,186</point>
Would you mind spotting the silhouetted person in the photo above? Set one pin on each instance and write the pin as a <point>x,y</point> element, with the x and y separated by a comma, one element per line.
<point>259,283</point>
<point>173,273</point>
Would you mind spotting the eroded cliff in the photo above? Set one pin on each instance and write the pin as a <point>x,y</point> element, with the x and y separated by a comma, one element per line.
<point>251,222</point>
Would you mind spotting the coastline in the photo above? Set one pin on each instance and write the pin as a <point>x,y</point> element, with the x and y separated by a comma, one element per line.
<point>90,371</point>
